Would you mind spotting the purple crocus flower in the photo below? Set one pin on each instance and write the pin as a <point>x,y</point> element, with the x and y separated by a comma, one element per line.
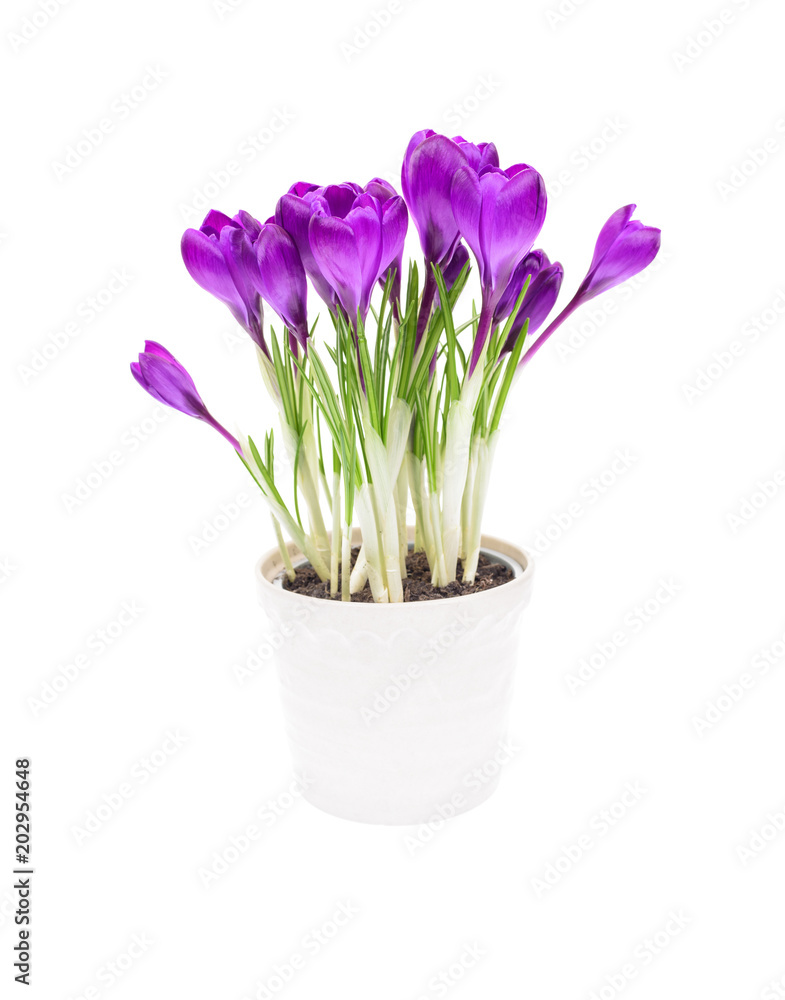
<point>220,258</point>
<point>281,279</point>
<point>500,214</point>
<point>162,375</point>
<point>293,213</point>
<point>544,284</point>
<point>354,251</point>
<point>623,249</point>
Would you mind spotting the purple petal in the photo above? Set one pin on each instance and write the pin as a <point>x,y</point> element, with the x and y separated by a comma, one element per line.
<point>632,251</point>
<point>529,267</point>
<point>241,262</point>
<point>365,220</point>
<point>294,213</point>
<point>481,155</point>
<point>171,384</point>
<point>152,347</point>
<point>207,266</point>
<point>539,300</point>
<point>609,232</point>
<point>457,263</point>
<point>335,252</point>
<point>251,225</point>
<point>395,222</point>
<point>214,222</point>
<point>428,177</point>
<point>466,200</point>
<point>414,142</point>
<point>168,382</point>
<point>381,189</point>
<point>282,278</point>
<point>515,223</point>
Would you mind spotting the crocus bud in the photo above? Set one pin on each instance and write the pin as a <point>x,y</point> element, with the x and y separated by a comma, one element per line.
<point>624,247</point>
<point>161,374</point>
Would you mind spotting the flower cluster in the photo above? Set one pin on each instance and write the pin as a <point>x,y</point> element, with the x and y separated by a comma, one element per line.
<point>407,409</point>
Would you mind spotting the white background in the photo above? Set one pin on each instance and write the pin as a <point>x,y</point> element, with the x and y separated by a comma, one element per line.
<point>687,104</point>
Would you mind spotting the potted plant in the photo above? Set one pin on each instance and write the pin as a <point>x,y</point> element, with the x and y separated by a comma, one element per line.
<point>400,640</point>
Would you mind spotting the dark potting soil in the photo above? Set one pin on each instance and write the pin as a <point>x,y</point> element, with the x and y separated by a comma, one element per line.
<point>416,587</point>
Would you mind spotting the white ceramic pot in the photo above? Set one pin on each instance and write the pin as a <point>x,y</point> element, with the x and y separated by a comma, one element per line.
<point>390,709</point>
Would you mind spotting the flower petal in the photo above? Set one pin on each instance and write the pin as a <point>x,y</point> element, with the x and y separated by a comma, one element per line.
<point>395,222</point>
<point>207,265</point>
<point>466,201</point>
<point>429,176</point>
<point>632,251</point>
<point>609,232</point>
<point>172,384</point>
<point>282,278</point>
<point>294,213</point>
<point>335,252</point>
<point>518,217</point>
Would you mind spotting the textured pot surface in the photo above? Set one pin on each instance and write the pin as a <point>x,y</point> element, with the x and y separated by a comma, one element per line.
<point>390,708</point>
